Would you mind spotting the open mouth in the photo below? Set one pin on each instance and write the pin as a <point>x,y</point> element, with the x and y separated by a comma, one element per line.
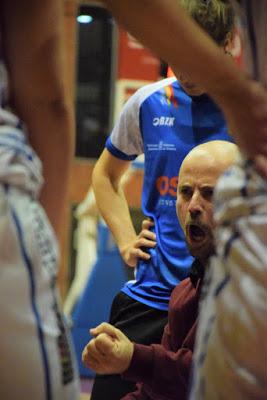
<point>196,233</point>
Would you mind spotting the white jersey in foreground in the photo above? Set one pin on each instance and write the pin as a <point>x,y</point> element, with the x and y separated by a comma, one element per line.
<point>231,347</point>
<point>36,359</point>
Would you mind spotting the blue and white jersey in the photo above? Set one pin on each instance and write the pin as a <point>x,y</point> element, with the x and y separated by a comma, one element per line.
<point>231,345</point>
<point>163,122</point>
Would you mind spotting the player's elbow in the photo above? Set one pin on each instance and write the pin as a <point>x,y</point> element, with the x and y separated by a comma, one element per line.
<point>100,174</point>
<point>58,103</point>
<point>96,176</point>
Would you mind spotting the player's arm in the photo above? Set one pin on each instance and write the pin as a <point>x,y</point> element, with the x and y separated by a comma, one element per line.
<point>33,33</point>
<point>113,206</point>
<point>166,28</point>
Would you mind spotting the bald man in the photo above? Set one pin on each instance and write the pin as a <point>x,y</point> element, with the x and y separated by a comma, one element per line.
<point>163,370</point>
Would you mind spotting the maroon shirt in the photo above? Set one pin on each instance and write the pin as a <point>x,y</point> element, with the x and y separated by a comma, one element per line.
<point>163,370</point>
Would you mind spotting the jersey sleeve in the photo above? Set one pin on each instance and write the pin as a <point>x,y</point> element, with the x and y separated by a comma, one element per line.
<point>162,372</point>
<point>125,141</point>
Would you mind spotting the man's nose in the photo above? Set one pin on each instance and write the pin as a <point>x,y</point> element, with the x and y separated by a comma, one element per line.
<point>195,212</point>
<point>195,208</point>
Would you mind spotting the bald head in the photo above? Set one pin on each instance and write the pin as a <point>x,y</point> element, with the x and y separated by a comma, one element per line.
<point>198,175</point>
<point>218,154</point>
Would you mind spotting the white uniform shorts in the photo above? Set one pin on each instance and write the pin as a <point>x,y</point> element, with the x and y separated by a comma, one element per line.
<point>36,357</point>
<point>35,352</point>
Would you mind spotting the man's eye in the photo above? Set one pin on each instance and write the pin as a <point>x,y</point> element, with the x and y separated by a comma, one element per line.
<point>186,191</point>
<point>207,193</point>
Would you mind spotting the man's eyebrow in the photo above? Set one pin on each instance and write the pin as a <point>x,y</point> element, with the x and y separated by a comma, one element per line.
<point>184,186</point>
<point>207,185</point>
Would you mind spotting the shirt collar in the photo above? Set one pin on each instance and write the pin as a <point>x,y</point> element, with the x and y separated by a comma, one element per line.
<point>196,272</point>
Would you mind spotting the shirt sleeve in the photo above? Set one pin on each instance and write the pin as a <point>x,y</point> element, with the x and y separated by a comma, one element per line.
<point>163,372</point>
<point>125,141</point>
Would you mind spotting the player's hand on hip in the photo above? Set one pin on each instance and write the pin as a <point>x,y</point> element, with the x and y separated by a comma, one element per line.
<point>136,250</point>
<point>109,352</point>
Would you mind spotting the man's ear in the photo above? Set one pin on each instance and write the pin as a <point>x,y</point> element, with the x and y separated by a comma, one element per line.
<point>229,43</point>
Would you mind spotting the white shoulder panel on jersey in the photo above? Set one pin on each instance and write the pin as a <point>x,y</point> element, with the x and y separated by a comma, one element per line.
<point>126,135</point>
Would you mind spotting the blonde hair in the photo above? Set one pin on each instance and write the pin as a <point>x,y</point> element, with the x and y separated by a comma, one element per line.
<point>216,17</point>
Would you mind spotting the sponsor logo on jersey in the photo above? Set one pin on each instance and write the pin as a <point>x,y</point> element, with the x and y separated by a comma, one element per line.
<point>163,121</point>
<point>166,185</point>
<point>161,146</point>
<point>170,98</point>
